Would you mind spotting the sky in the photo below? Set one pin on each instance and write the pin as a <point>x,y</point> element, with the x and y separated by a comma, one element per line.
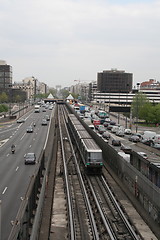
<point>59,41</point>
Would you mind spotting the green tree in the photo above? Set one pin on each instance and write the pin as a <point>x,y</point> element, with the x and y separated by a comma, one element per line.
<point>139,100</point>
<point>156,114</point>
<point>3,108</point>
<point>3,97</point>
<point>146,112</point>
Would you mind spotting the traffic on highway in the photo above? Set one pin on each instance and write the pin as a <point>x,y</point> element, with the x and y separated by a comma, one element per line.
<point>28,135</point>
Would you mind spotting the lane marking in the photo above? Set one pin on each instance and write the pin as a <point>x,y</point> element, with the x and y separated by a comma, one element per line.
<point>2,142</point>
<point>17,168</point>
<point>4,190</point>
<point>23,136</point>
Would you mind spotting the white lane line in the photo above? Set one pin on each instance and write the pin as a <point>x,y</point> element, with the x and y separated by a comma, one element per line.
<point>23,136</point>
<point>2,142</point>
<point>17,168</point>
<point>4,190</point>
<point>7,130</point>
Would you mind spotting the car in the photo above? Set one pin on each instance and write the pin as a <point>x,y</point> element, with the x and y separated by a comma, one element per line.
<point>126,149</point>
<point>146,142</point>
<point>91,126</point>
<point>116,142</point>
<point>43,110</point>
<point>44,122</point>
<point>134,138</point>
<point>112,122</point>
<point>105,124</point>
<point>106,135</point>
<point>101,129</point>
<point>30,158</point>
<point>21,120</point>
<point>109,127</point>
<point>47,117</point>
<point>120,133</point>
<point>114,129</point>
<point>156,145</point>
<point>128,131</point>
<point>143,154</point>
<point>107,120</point>
<point>29,129</point>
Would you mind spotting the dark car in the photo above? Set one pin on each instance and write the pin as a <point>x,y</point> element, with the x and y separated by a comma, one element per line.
<point>29,129</point>
<point>30,158</point>
<point>20,120</point>
<point>134,138</point>
<point>116,142</point>
<point>47,117</point>
<point>44,122</point>
<point>126,149</point>
<point>112,122</point>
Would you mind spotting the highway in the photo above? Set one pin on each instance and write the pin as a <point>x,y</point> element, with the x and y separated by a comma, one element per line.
<point>15,176</point>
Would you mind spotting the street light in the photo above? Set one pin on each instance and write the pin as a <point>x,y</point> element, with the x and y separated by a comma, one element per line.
<point>137,112</point>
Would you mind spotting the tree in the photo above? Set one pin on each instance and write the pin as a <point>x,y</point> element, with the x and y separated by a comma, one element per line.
<point>139,100</point>
<point>3,108</point>
<point>3,97</point>
<point>147,112</point>
<point>156,114</point>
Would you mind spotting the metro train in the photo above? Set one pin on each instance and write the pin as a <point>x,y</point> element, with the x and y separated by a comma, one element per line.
<point>90,152</point>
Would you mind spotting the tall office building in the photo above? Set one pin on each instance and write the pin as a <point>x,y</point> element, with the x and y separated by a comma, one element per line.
<point>5,75</point>
<point>114,81</point>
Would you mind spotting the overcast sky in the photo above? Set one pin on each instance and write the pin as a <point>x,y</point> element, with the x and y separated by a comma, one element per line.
<point>59,41</point>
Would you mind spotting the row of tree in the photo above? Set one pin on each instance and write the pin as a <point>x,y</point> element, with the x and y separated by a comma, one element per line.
<point>143,109</point>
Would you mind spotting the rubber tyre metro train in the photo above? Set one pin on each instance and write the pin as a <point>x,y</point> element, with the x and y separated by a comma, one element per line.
<point>90,152</point>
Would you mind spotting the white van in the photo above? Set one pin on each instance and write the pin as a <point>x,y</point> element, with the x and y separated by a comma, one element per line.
<point>148,135</point>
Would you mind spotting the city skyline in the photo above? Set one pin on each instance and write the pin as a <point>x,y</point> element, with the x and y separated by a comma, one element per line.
<point>60,41</point>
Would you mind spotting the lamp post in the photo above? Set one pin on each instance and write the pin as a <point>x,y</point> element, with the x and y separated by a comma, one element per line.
<point>119,105</point>
<point>126,102</point>
<point>137,113</point>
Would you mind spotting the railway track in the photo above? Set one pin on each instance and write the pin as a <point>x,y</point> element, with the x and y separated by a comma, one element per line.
<point>116,222</point>
<point>81,221</point>
<point>93,212</point>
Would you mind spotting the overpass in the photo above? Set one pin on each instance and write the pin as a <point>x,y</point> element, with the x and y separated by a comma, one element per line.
<point>52,100</point>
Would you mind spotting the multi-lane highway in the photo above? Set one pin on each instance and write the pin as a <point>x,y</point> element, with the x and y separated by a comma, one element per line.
<point>15,176</point>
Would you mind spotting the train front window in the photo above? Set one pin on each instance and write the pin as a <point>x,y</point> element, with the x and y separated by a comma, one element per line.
<point>95,156</point>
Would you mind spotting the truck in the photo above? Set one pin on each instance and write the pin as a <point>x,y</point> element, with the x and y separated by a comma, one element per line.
<point>37,108</point>
<point>82,109</point>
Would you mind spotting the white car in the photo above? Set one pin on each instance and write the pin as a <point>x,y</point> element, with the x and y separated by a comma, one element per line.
<point>143,154</point>
<point>128,131</point>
